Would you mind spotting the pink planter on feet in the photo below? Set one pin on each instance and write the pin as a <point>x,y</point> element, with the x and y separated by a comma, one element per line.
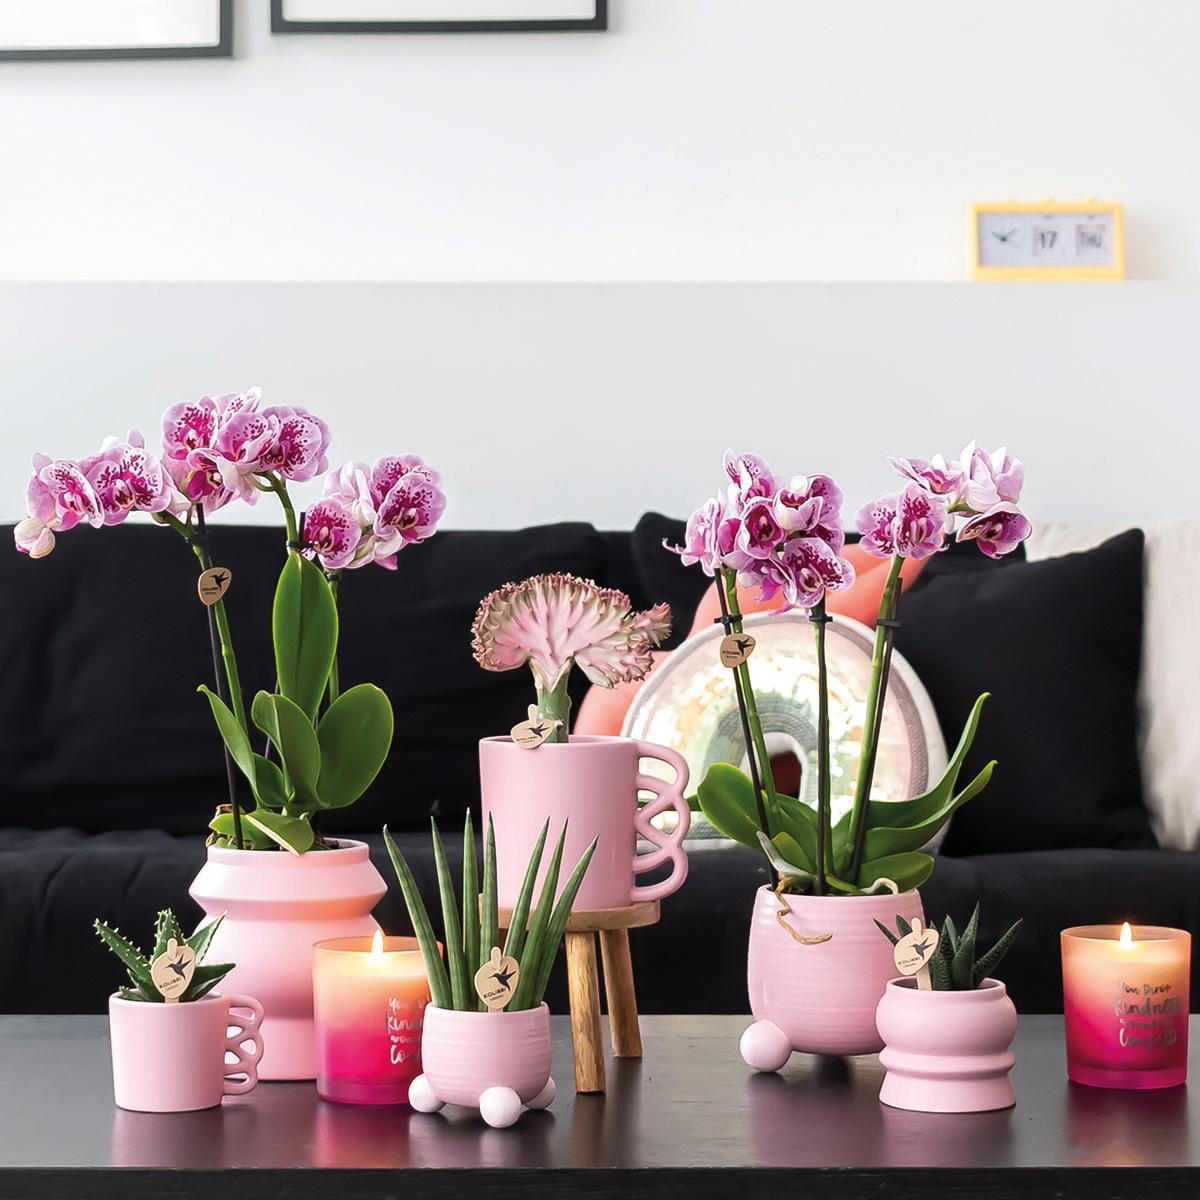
<point>819,998</point>
<point>276,906</point>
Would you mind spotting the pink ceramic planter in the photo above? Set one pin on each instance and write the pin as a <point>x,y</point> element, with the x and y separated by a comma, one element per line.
<point>947,1052</point>
<point>593,782</point>
<point>171,1057</point>
<point>497,1062</point>
<point>277,905</point>
<point>819,999</point>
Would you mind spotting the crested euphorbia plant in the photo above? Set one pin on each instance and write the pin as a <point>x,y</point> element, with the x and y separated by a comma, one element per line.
<point>552,622</point>
<point>323,747</point>
<point>785,537</point>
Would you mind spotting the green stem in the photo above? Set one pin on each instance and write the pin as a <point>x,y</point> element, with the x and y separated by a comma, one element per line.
<point>824,820</point>
<point>334,578</point>
<point>278,485</point>
<point>880,663</point>
<point>555,705</point>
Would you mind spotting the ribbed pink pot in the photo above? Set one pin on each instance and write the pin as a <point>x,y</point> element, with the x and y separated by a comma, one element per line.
<point>277,905</point>
<point>947,1052</point>
<point>820,998</point>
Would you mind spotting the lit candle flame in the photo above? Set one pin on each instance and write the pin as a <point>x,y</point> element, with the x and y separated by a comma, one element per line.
<point>1126,935</point>
<point>377,945</point>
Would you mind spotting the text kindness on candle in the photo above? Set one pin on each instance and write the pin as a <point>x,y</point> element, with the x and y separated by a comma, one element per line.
<point>1147,1014</point>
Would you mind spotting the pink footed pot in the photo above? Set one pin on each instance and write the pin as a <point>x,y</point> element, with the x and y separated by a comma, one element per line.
<point>276,906</point>
<point>497,1062</point>
<point>593,781</point>
<point>171,1057</point>
<point>947,1052</point>
<point>818,997</point>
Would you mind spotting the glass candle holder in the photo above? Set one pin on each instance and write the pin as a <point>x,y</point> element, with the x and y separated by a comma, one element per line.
<point>369,995</point>
<point>1125,1004</point>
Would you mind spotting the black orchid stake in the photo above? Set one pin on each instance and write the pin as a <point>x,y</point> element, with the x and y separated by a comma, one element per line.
<point>820,619</point>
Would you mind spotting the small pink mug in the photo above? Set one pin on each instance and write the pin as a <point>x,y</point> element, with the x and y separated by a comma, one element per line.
<point>172,1057</point>
<point>593,783</point>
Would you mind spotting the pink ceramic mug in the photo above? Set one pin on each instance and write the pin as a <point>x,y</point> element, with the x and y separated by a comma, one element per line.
<point>592,783</point>
<point>172,1057</point>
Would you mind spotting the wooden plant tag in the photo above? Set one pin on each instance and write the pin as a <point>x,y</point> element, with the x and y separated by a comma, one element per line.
<point>213,584</point>
<point>172,970</point>
<point>496,980</point>
<point>530,734</point>
<point>913,952</point>
<point>736,648</point>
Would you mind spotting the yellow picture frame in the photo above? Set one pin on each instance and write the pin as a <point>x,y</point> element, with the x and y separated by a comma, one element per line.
<point>1051,209</point>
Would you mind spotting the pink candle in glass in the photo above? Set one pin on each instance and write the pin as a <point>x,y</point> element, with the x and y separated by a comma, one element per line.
<point>369,995</point>
<point>1125,1004</point>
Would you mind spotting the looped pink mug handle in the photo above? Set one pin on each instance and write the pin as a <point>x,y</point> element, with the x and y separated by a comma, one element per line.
<point>246,1030</point>
<point>670,846</point>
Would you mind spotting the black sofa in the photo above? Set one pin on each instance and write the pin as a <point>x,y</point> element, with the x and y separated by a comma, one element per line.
<point>110,767</point>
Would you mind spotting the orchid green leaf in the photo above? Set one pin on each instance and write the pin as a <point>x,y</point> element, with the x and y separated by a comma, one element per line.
<point>304,626</point>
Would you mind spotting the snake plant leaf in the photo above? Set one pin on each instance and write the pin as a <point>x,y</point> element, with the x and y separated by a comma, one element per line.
<point>904,925</point>
<point>355,736</point>
<point>558,923</point>
<point>906,871</point>
<point>294,834</point>
<point>234,736</point>
<point>489,934</point>
<point>963,962</point>
<point>991,960</point>
<point>727,800</point>
<point>285,723</point>
<point>887,933</point>
<point>795,818</point>
<point>304,628</point>
<point>470,898</point>
<point>165,927</point>
<point>431,953</point>
<point>514,941</point>
<point>254,839</point>
<point>136,963</point>
<point>537,927</point>
<point>450,923</point>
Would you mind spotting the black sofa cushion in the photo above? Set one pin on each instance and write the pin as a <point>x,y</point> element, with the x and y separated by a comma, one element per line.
<point>1057,643</point>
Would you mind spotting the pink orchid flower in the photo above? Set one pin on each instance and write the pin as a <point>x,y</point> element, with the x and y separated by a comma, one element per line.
<point>127,477</point>
<point>709,538</point>
<point>804,571</point>
<point>911,524</point>
<point>997,532</point>
<point>990,479</point>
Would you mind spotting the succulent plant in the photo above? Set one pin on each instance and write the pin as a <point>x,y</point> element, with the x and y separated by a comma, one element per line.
<point>469,939</point>
<point>205,977</point>
<point>954,966</point>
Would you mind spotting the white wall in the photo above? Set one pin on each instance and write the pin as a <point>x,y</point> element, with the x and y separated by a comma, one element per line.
<point>543,402</point>
<point>697,139</point>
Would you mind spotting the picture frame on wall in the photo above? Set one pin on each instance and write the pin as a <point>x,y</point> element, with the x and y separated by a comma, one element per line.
<point>437,16</point>
<point>98,29</point>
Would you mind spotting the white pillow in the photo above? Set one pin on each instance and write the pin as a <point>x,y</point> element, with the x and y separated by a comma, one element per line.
<point>1168,738</point>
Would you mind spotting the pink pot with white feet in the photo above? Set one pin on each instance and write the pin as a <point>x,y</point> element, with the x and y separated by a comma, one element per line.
<point>947,1052</point>
<point>497,1062</point>
<point>276,906</point>
<point>818,997</point>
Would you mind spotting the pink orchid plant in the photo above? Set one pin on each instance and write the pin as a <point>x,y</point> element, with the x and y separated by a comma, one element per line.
<point>785,536</point>
<point>554,622</point>
<point>216,450</point>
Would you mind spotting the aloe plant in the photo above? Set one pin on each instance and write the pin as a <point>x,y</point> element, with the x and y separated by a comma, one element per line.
<point>532,942</point>
<point>954,966</point>
<point>205,977</point>
<point>327,759</point>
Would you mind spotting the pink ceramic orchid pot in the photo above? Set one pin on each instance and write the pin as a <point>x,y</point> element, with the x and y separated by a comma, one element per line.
<point>172,1057</point>
<point>593,782</point>
<point>497,1062</point>
<point>277,906</point>
<point>947,1052</point>
<point>816,973</point>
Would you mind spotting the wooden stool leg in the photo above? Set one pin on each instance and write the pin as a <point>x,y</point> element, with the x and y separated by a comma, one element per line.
<point>622,1000</point>
<point>584,987</point>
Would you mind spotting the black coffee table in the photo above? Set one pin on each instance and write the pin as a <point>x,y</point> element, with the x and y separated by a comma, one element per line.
<point>689,1120</point>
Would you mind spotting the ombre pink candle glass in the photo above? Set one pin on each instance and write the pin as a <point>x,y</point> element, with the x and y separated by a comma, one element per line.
<point>1125,1004</point>
<point>369,997</point>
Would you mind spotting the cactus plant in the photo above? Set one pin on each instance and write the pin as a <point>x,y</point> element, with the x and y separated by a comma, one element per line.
<point>954,966</point>
<point>166,930</point>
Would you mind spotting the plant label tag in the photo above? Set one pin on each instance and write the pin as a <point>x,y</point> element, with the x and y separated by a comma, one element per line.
<point>496,980</point>
<point>736,648</point>
<point>530,734</point>
<point>173,969</point>
<point>913,952</point>
<point>213,584</point>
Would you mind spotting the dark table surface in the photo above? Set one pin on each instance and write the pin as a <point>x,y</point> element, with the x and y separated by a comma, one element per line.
<point>688,1119</point>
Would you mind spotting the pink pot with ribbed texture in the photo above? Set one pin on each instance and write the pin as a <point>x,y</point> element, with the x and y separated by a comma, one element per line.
<point>593,782</point>
<point>947,1052</point>
<point>171,1057</point>
<point>821,998</point>
<point>277,905</point>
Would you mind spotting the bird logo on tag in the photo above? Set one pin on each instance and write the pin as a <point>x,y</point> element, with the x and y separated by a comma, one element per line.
<point>530,734</point>
<point>496,980</point>
<point>213,584</point>
<point>736,648</point>
<point>172,970</point>
<point>913,951</point>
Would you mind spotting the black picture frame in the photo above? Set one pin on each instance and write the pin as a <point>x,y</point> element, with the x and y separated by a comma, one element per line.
<point>598,22</point>
<point>223,48</point>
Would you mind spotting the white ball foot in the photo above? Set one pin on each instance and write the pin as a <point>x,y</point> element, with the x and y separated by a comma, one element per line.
<point>500,1107</point>
<point>765,1047</point>
<point>421,1097</point>
<point>545,1097</point>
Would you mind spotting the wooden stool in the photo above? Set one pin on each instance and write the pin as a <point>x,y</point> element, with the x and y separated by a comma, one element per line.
<point>583,985</point>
